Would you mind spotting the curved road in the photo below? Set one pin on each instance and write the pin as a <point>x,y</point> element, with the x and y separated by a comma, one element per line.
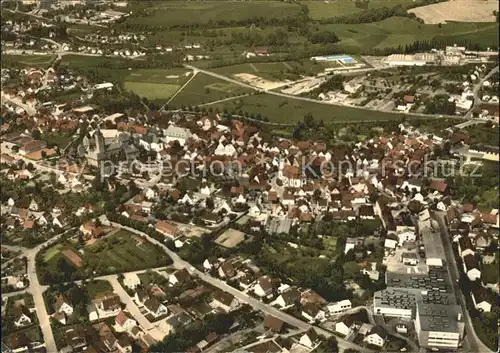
<point>475,91</point>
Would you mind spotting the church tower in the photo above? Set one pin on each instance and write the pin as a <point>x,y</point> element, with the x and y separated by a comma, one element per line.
<point>99,141</point>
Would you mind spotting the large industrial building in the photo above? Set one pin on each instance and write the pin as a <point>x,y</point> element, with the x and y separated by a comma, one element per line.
<point>439,326</point>
<point>419,59</point>
<point>433,246</point>
<point>405,290</point>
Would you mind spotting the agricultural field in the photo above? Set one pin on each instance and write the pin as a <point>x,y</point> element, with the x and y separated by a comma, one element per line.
<point>289,111</point>
<point>204,89</point>
<point>459,11</point>
<point>319,10</point>
<point>41,61</point>
<point>179,13</point>
<point>396,31</point>
<point>116,253</point>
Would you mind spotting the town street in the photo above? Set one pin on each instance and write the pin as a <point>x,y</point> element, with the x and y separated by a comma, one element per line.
<point>475,91</point>
<point>472,342</point>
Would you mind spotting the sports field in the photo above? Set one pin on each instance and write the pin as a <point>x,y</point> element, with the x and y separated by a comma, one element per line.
<point>204,89</point>
<point>152,91</point>
<point>176,13</point>
<point>289,111</point>
<point>156,84</point>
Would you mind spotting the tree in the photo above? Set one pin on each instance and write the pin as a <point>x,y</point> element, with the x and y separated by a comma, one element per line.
<point>36,134</point>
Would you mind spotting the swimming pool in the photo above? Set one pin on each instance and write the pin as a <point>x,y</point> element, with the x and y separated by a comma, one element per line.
<point>346,59</point>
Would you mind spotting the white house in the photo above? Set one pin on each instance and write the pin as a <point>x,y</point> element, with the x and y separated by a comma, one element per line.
<point>288,298</point>
<point>349,245</point>
<point>312,312</point>
<point>309,339</point>
<point>471,267</point>
<point>21,316</point>
<point>174,133</point>
<point>264,286</point>
<point>141,296</point>
<point>210,263</point>
<point>63,305</point>
<point>339,307</point>
<point>155,308</point>
<point>481,299</point>
<point>124,322</point>
<point>376,336</point>
<point>390,244</point>
<point>345,326</point>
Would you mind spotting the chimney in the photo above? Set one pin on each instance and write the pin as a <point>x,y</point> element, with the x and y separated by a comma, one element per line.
<point>459,317</point>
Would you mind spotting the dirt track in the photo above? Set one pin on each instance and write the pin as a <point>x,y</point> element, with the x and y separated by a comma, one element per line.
<point>461,11</point>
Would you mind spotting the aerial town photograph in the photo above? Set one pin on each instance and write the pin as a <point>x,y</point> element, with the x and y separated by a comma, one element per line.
<point>249,176</point>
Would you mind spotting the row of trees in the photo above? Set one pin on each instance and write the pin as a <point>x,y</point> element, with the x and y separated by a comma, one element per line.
<point>251,39</point>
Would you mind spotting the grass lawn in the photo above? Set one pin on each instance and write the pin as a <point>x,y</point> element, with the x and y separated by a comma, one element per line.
<point>52,251</point>
<point>289,111</point>
<point>490,273</point>
<point>174,13</point>
<point>152,91</point>
<point>204,89</point>
<point>330,243</point>
<point>97,288</point>
<point>321,10</point>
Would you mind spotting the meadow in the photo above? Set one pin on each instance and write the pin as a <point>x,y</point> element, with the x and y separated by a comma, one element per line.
<point>203,89</point>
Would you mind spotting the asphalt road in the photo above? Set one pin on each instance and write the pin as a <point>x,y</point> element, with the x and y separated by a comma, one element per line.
<point>225,78</point>
<point>472,343</point>
<point>475,91</point>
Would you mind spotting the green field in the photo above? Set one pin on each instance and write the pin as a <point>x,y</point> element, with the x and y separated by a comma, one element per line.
<point>175,13</point>
<point>203,89</point>
<point>396,31</point>
<point>152,91</point>
<point>42,61</point>
<point>98,288</point>
<point>156,84</point>
<point>51,252</point>
<point>319,10</point>
<point>289,111</point>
